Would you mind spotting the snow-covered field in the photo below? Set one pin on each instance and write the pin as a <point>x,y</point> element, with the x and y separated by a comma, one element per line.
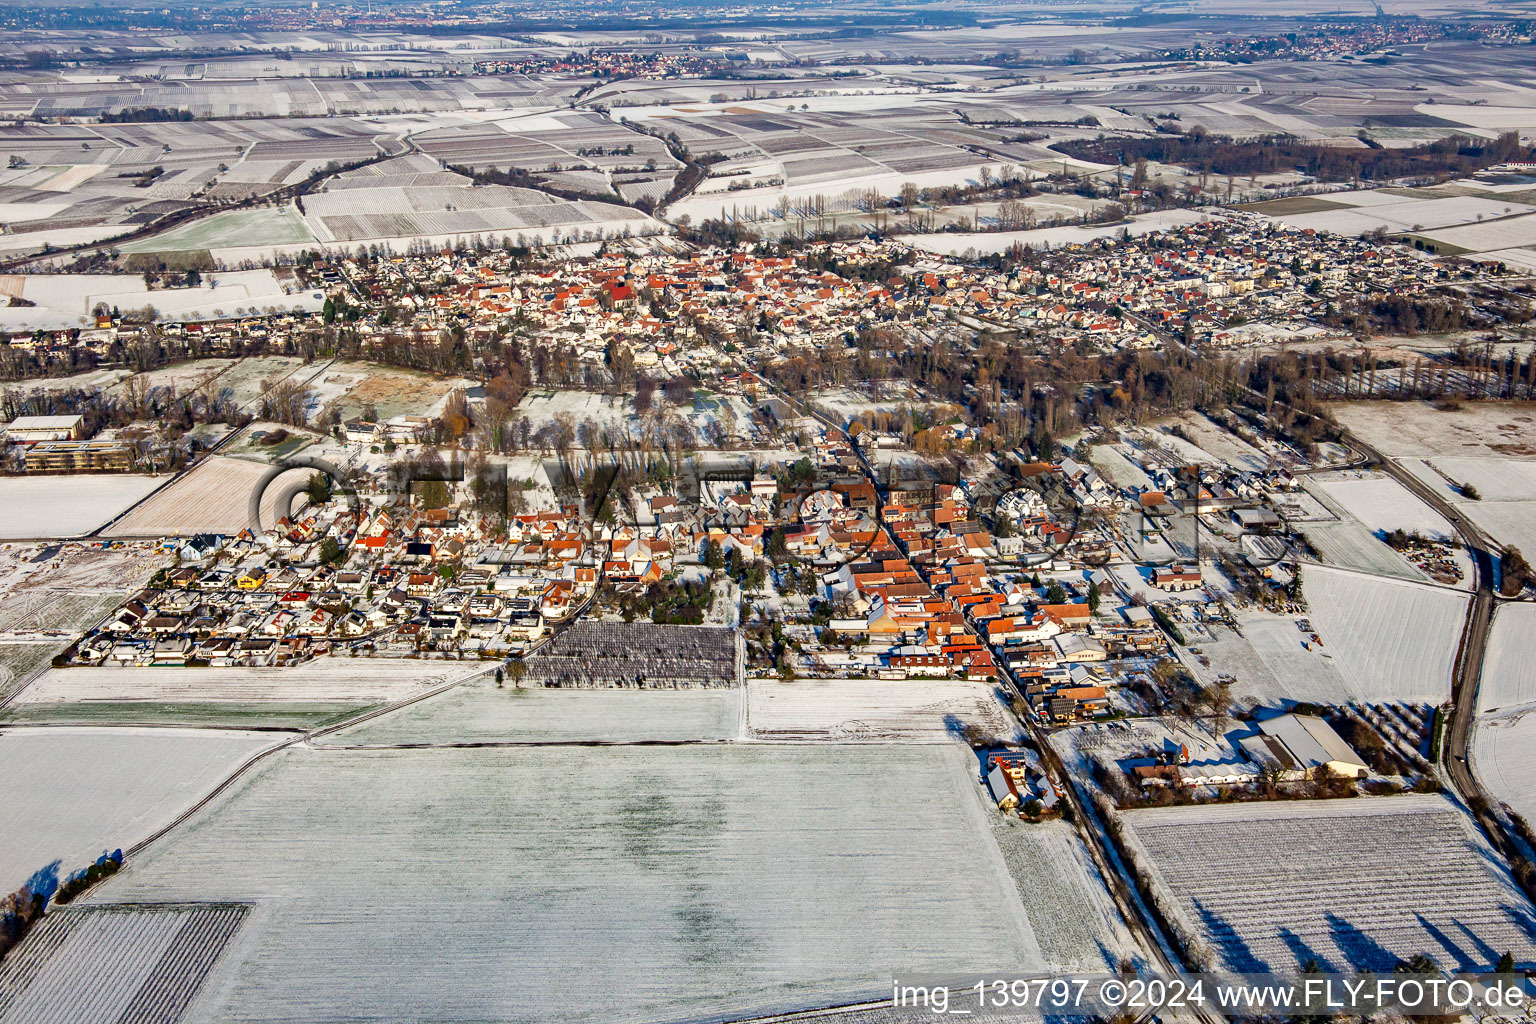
<point>1284,667</point>
<point>882,710</point>
<point>1352,545</point>
<point>1508,680</point>
<point>1356,884</point>
<point>93,965</point>
<point>997,241</point>
<point>1504,754</point>
<point>1219,441</point>
<point>364,680</point>
<point>214,497</point>
<point>1419,430</point>
<point>590,885</point>
<point>1382,503</point>
<point>66,300</point>
<point>1391,640</point>
<point>73,793</point>
<point>68,506</point>
<point>480,712</point>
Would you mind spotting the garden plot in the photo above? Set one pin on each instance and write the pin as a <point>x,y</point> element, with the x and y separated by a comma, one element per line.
<point>1390,639</point>
<point>83,791</point>
<point>1507,681</point>
<point>479,711</point>
<point>497,876</point>
<point>68,506</point>
<point>1119,470</point>
<point>1356,884</point>
<point>212,497</point>
<point>105,964</point>
<point>879,710</point>
<point>357,680</point>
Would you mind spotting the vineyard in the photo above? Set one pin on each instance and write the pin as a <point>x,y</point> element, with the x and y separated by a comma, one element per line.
<point>115,963</point>
<point>638,654</point>
<point>1355,884</point>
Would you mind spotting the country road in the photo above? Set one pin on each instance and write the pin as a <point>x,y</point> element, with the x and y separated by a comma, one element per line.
<point>1467,673</point>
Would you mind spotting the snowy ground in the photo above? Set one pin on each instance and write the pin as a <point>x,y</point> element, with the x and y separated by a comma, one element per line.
<point>1419,430</point>
<point>997,241</point>
<point>1504,754</point>
<point>84,791</point>
<point>618,879</point>
<point>1382,504</point>
<point>365,680</point>
<point>1507,680</point>
<point>925,710</point>
<point>480,712</point>
<point>1354,883</point>
<point>213,497</point>
<point>1352,545</point>
<point>1272,662</point>
<point>1390,640</point>
<point>1221,442</point>
<point>66,300</point>
<point>68,506</point>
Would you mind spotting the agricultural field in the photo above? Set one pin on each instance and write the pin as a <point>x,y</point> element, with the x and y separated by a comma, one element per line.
<point>68,506</point>
<point>1504,754</point>
<point>1274,660</point>
<point>1350,545</point>
<point>362,206</point>
<point>84,791</point>
<point>479,711</point>
<point>955,244</point>
<point>278,225</point>
<point>1382,504</point>
<point>1417,430</point>
<point>1507,681</point>
<point>64,301</point>
<point>101,964</point>
<point>1355,884</point>
<point>875,710</point>
<point>1390,639</point>
<point>779,867</point>
<point>213,497</point>
<point>322,681</point>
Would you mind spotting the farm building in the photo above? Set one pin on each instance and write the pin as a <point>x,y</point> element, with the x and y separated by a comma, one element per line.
<point>32,429</point>
<point>1301,744</point>
<point>1176,577</point>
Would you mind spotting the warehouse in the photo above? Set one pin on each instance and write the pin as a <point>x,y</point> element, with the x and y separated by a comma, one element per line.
<point>34,429</point>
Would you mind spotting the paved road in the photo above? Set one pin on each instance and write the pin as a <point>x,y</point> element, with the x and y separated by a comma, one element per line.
<point>1468,669</point>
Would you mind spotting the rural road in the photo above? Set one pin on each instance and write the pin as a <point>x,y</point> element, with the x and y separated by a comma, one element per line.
<point>1468,669</point>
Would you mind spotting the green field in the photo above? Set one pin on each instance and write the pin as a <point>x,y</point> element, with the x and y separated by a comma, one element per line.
<point>265,226</point>
<point>1292,205</point>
